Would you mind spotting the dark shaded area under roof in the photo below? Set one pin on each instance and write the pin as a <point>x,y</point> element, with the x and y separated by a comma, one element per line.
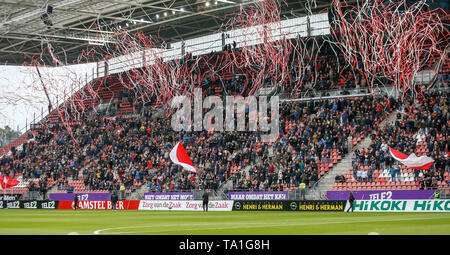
<point>26,26</point>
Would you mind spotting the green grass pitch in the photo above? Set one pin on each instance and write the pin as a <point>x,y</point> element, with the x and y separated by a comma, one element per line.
<point>88,222</point>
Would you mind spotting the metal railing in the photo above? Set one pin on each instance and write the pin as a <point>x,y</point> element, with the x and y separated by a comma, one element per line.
<point>444,193</point>
<point>293,194</point>
<point>8,137</point>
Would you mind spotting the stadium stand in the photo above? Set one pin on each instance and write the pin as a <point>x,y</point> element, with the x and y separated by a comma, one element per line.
<point>129,147</point>
<point>425,134</point>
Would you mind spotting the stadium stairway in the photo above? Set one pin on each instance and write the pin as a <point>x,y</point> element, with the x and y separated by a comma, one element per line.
<point>17,143</point>
<point>138,194</point>
<point>53,189</point>
<point>326,182</point>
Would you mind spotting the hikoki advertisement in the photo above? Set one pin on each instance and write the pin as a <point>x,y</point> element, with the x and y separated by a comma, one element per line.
<point>400,206</point>
<point>187,205</point>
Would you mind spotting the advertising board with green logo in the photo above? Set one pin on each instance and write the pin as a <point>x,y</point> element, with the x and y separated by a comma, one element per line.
<point>401,206</point>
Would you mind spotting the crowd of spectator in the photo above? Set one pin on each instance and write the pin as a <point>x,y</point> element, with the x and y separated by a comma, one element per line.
<point>310,131</point>
<point>108,152</point>
<point>428,123</point>
<point>112,153</point>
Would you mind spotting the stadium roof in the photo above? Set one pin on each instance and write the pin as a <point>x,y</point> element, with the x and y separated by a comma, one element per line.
<point>70,25</point>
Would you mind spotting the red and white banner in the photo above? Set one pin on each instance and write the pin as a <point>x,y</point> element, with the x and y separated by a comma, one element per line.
<point>100,205</point>
<point>179,156</point>
<point>6,182</point>
<point>185,205</point>
<point>412,161</point>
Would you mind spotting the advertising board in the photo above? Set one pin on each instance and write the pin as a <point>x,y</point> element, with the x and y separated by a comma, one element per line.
<point>185,205</point>
<point>289,205</point>
<point>401,206</point>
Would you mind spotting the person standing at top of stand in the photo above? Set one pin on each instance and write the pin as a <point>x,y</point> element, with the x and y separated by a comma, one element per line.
<point>75,202</point>
<point>205,201</point>
<point>351,199</point>
<point>302,188</point>
<point>114,200</point>
<point>436,195</point>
